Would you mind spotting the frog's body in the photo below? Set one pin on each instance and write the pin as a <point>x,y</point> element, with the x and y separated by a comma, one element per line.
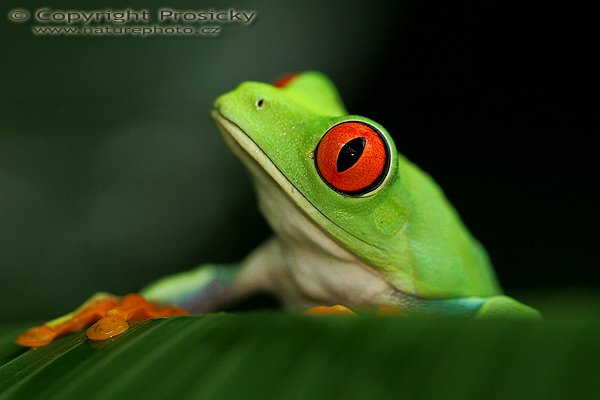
<point>355,223</point>
<point>399,244</point>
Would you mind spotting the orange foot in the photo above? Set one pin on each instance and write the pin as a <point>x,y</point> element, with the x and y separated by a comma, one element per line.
<point>107,313</point>
<point>336,310</point>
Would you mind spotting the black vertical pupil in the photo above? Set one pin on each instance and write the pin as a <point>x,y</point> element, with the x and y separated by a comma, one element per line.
<point>350,153</point>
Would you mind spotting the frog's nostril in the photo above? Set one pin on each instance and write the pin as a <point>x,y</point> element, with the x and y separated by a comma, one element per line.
<point>260,103</point>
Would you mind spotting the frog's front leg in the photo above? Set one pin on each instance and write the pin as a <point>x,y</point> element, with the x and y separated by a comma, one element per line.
<point>211,287</point>
<point>204,289</point>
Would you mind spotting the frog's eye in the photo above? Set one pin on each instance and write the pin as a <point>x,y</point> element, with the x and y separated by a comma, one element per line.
<point>353,158</point>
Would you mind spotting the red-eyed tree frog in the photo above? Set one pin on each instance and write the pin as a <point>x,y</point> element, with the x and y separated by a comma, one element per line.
<point>356,225</point>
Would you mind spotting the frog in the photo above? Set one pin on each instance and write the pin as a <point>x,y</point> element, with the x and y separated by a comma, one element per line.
<point>357,227</point>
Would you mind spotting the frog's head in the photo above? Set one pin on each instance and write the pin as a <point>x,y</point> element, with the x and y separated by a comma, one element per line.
<point>339,169</point>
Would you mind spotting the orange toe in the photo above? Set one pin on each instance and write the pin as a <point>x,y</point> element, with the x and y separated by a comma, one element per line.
<point>37,336</point>
<point>336,310</point>
<point>107,327</point>
<point>169,311</point>
<point>134,306</point>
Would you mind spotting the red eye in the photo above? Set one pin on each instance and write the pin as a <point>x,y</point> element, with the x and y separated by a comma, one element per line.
<point>353,158</point>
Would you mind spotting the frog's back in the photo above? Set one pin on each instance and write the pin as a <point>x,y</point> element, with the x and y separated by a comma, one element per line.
<point>446,260</point>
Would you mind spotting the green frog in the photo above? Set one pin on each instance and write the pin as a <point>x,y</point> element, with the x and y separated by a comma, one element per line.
<point>357,227</point>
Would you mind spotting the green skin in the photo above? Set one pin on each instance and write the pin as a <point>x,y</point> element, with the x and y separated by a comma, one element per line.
<point>402,245</point>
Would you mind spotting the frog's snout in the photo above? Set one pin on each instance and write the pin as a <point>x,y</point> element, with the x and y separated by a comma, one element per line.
<point>219,103</point>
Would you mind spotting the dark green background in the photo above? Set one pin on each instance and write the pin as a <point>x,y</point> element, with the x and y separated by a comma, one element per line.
<point>112,173</point>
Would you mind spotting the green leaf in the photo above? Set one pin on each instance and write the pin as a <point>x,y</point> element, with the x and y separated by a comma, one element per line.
<point>257,356</point>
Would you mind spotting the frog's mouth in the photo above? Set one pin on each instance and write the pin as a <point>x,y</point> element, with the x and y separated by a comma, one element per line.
<point>253,157</point>
<point>259,163</point>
